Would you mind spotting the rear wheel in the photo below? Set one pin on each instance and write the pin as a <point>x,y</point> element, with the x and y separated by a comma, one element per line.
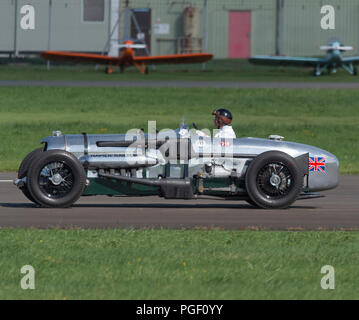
<point>56,179</point>
<point>273,180</point>
<point>23,170</point>
<point>252,203</point>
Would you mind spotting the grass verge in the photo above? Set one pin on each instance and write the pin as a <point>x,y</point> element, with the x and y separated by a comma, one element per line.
<point>328,119</point>
<point>215,70</point>
<point>178,264</point>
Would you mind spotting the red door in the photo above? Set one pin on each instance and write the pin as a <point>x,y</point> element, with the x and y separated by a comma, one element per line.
<point>239,34</point>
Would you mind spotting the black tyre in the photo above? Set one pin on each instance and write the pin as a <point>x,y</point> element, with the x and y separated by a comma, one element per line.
<point>56,179</point>
<point>23,169</point>
<point>252,203</point>
<point>273,180</point>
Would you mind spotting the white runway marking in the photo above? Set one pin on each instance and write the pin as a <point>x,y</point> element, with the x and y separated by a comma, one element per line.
<point>6,180</point>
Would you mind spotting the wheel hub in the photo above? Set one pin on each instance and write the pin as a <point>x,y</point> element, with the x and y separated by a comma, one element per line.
<point>275,180</point>
<point>56,179</point>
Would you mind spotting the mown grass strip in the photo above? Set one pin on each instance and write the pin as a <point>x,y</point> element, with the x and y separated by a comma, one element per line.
<point>216,70</point>
<point>178,264</point>
<point>328,119</point>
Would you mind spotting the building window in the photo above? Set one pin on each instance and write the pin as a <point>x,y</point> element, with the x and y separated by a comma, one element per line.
<point>93,10</point>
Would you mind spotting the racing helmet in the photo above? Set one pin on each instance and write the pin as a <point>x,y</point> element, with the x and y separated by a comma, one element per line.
<point>222,117</point>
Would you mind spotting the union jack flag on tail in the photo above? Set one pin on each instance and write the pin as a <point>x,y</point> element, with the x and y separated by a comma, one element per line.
<point>317,164</point>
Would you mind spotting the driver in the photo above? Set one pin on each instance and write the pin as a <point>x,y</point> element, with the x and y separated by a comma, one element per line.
<point>222,121</point>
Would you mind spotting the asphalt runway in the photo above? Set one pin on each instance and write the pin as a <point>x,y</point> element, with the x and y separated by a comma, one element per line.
<point>339,210</point>
<point>181,84</point>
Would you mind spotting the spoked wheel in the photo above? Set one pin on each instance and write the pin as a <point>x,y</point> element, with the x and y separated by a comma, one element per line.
<point>57,179</point>
<point>23,170</point>
<point>273,180</point>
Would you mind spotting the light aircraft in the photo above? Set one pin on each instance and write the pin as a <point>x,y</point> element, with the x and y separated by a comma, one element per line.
<point>330,62</point>
<point>126,59</point>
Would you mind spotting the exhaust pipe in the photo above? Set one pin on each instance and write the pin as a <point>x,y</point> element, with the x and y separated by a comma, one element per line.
<point>170,188</point>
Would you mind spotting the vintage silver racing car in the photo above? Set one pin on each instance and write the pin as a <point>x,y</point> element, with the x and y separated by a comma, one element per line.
<point>267,173</point>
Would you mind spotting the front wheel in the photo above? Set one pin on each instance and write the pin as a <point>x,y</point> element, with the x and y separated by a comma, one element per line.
<point>273,180</point>
<point>56,179</point>
<point>23,170</point>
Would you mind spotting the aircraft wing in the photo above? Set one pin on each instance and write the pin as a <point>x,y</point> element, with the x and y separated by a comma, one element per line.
<point>101,59</point>
<point>79,57</point>
<point>353,60</point>
<point>175,58</point>
<point>286,61</point>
